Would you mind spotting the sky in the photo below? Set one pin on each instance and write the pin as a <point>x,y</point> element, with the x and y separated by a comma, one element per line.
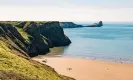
<point>67,10</point>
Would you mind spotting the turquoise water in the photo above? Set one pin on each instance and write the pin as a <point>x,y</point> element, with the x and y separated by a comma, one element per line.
<point>110,42</point>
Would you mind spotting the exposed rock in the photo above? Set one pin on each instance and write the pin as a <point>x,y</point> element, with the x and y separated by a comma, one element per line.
<point>43,35</point>
<point>16,47</point>
<point>96,24</point>
<point>73,25</point>
<point>11,35</point>
<point>51,32</point>
<point>69,25</point>
<point>21,24</point>
<point>100,23</point>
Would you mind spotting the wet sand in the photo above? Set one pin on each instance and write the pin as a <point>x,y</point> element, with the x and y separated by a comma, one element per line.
<point>84,69</point>
<point>56,51</point>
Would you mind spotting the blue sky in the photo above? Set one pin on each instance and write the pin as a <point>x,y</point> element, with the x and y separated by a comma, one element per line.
<point>67,10</point>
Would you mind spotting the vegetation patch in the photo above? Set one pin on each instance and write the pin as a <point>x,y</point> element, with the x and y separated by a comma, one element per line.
<point>19,65</point>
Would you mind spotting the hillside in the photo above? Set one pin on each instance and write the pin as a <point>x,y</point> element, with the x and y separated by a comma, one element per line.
<point>16,49</point>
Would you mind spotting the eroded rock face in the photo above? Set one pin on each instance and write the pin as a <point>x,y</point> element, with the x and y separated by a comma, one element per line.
<point>51,32</point>
<point>12,36</point>
<point>44,35</point>
<point>12,41</point>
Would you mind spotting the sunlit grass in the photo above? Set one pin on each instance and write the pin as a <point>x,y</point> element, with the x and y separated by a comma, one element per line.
<point>10,61</point>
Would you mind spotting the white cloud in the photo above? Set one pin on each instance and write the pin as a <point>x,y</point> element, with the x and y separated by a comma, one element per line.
<point>86,13</point>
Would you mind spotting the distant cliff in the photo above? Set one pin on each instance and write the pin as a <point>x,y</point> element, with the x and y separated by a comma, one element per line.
<point>100,24</point>
<point>73,25</point>
<point>69,25</point>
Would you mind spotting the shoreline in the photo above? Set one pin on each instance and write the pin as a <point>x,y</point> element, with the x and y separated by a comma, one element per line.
<point>85,69</point>
<point>59,51</point>
<point>94,58</point>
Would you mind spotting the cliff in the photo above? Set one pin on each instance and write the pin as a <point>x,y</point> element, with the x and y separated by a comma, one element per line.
<point>69,25</point>
<point>43,35</point>
<point>34,38</point>
<point>73,25</point>
<point>96,24</point>
<point>21,40</point>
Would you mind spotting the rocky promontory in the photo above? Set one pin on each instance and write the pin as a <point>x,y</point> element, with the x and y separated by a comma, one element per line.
<point>34,38</point>
<point>100,24</point>
<point>69,25</point>
<point>73,25</point>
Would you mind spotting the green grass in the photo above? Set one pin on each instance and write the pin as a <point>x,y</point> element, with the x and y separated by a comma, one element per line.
<point>12,62</point>
<point>27,23</point>
<point>23,33</point>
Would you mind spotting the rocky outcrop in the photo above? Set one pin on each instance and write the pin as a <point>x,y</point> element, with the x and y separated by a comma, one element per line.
<point>73,25</point>
<point>12,37</point>
<point>49,31</point>
<point>43,35</point>
<point>13,67</point>
<point>96,24</point>
<point>19,43</point>
<point>69,25</point>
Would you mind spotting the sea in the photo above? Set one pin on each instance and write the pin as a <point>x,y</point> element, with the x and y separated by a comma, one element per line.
<point>111,42</point>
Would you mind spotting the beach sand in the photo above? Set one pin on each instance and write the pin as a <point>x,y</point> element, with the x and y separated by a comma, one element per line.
<point>84,69</point>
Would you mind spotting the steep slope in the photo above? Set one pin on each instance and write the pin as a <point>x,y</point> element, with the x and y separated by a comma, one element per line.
<point>44,35</point>
<point>35,38</point>
<point>26,67</point>
<point>16,48</point>
<point>12,37</point>
<point>52,31</point>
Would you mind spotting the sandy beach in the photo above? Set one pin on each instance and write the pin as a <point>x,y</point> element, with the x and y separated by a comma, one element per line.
<point>84,69</point>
